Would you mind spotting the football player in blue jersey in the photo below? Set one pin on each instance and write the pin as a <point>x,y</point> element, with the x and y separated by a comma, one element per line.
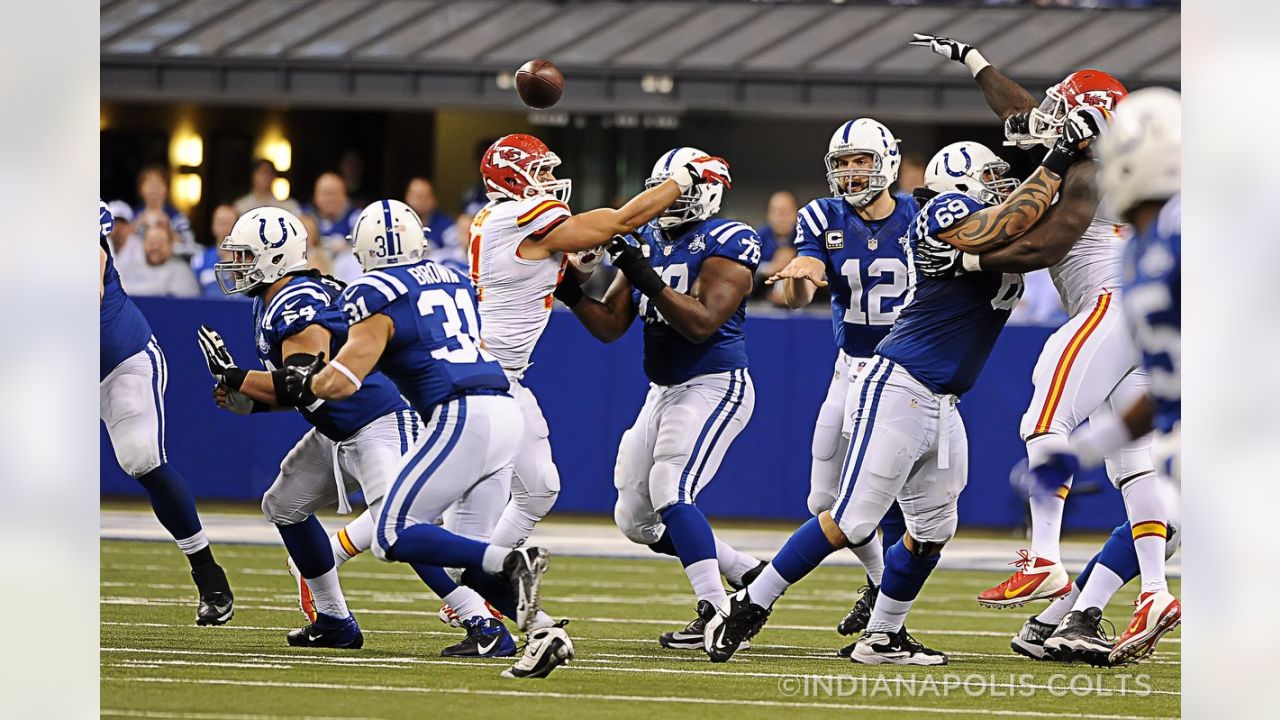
<point>850,243</point>
<point>1141,180</point>
<point>687,275</point>
<point>907,442</point>
<point>416,321</point>
<point>358,440</point>
<point>132,374</point>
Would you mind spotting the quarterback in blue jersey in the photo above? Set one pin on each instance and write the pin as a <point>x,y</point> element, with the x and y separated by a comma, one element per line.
<point>851,244</point>
<point>295,319</point>
<point>908,443</point>
<point>132,374</point>
<point>416,321</point>
<point>687,275</point>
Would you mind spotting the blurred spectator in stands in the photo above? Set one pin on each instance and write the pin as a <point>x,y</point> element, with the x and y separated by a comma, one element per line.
<point>224,217</point>
<point>260,195</point>
<point>162,274</point>
<point>421,196</point>
<point>153,190</point>
<point>1040,304</point>
<point>335,217</point>
<point>317,255</point>
<point>475,197</point>
<point>777,242</point>
<point>351,168</point>
<point>910,173</point>
<point>120,232</point>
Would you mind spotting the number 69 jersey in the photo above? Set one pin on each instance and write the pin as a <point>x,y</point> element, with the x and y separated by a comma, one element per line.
<point>669,357</point>
<point>866,267</point>
<point>948,326</point>
<point>434,353</point>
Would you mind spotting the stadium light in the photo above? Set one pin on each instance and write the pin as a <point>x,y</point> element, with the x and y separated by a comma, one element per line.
<point>185,190</point>
<point>274,147</point>
<point>280,188</point>
<point>186,148</point>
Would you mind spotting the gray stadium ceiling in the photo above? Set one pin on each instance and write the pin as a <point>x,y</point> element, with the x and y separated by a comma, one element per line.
<point>806,58</point>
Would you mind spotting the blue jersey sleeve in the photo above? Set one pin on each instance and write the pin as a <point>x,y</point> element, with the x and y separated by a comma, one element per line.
<point>946,210</point>
<point>296,309</point>
<point>367,296</point>
<point>811,226</point>
<point>737,242</point>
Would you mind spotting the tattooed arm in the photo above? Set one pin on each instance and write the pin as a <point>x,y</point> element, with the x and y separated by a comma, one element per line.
<point>1050,239</point>
<point>997,226</point>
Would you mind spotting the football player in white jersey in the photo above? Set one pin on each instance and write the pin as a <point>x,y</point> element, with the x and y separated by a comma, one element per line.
<point>1090,365</point>
<point>519,245</point>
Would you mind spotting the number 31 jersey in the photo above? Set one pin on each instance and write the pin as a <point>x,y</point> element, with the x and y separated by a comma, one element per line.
<point>434,353</point>
<point>948,326</point>
<point>866,267</point>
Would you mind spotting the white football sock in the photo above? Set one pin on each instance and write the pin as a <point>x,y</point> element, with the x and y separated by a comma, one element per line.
<point>327,593</point>
<point>733,564</point>
<point>767,587</point>
<point>1046,505</point>
<point>888,615</point>
<point>494,555</point>
<point>1144,500</point>
<point>1102,586</point>
<point>871,555</point>
<point>1059,608</point>
<point>704,576</point>
<point>353,539</point>
<point>467,603</point>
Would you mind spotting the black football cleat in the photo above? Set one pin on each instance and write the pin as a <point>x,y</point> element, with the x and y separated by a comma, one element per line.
<point>690,638</point>
<point>1029,642</point>
<point>1080,637</point>
<point>328,632</point>
<point>857,619</point>
<point>732,624</point>
<point>216,599</point>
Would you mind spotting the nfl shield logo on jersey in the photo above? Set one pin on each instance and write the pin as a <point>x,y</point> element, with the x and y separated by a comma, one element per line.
<point>873,242</point>
<point>834,239</point>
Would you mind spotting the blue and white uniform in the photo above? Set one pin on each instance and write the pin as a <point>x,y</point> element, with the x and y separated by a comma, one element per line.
<point>908,443</point>
<point>132,372</point>
<point>1152,301</point>
<point>700,394</point>
<point>353,442</point>
<point>867,277</point>
<point>473,426</point>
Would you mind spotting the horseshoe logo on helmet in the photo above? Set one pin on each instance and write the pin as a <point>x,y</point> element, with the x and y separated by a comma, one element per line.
<point>262,233</point>
<point>946,163</point>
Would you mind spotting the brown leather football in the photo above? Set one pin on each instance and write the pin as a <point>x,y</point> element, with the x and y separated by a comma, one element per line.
<point>539,84</point>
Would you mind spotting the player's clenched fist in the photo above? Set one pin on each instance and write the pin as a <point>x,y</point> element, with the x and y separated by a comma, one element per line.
<point>705,169</point>
<point>626,255</point>
<point>801,268</point>
<point>1083,126</point>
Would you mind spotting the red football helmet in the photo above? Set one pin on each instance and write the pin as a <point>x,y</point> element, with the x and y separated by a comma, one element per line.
<point>512,165</point>
<point>1082,87</point>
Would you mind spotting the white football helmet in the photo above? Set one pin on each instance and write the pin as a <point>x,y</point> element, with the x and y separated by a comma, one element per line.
<point>863,136</point>
<point>266,243</point>
<point>970,168</point>
<point>388,233</point>
<point>1141,153</point>
<point>699,202</point>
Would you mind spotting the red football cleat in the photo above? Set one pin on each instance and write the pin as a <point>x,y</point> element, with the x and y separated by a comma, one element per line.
<point>1036,579</point>
<point>1157,614</point>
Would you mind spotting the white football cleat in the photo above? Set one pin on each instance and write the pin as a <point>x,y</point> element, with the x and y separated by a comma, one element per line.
<point>1036,578</point>
<point>898,648</point>
<point>1157,613</point>
<point>547,649</point>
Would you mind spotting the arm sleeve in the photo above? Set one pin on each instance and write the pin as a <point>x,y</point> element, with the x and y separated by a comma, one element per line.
<point>542,218</point>
<point>811,225</point>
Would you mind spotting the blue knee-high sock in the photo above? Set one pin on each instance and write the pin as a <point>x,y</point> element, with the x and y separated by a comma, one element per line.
<point>435,578</point>
<point>308,545</point>
<point>690,533</point>
<point>805,550</point>
<point>892,527</point>
<point>172,502</point>
<point>905,572</point>
<point>491,589</point>
<point>433,545</point>
<point>664,546</point>
<point>1118,555</point>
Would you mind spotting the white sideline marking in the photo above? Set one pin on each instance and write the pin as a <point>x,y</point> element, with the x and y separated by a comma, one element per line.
<point>625,698</point>
<point>111,712</point>
<point>577,666</point>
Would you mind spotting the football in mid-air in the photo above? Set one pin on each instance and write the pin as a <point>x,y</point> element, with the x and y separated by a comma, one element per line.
<point>539,84</point>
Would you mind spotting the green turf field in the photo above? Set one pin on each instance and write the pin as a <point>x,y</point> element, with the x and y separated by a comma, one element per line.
<point>157,664</point>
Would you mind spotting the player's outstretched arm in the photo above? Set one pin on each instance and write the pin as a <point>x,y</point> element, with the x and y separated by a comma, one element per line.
<point>800,280</point>
<point>606,319</point>
<point>595,228</point>
<point>1049,240</point>
<point>1004,96</point>
<point>722,286</point>
<point>343,375</point>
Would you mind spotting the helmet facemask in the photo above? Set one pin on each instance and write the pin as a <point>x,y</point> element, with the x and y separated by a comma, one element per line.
<point>841,179</point>
<point>245,270</point>
<point>1045,122</point>
<point>998,187</point>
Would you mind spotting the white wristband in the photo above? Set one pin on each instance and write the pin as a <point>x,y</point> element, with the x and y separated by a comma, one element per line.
<point>682,178</point>
<point>346,372</point>
<point>1103,436</point>
<point>971,262</point>
<point>975,62</point>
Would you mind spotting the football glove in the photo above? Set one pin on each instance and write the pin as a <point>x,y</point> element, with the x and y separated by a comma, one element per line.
<point>295,391</point>
<point>937,259</point>
<point>216,355</point>
<point>586,261</point>
<point>625,255</point>
<point>234,401</point>
<point>1079,131</point>
<point>1017,131</point>
<point>705,169</point>
<point>952,50</point>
